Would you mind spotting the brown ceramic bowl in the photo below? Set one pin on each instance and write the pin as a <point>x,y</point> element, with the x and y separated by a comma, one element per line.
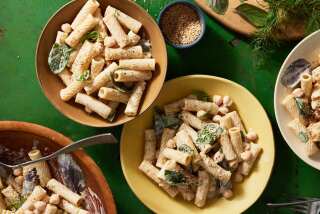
<point>16,135</point>
<point>51,84</point>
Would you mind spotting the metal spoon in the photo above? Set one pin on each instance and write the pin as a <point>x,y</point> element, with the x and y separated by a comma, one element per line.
<point>90,141</point>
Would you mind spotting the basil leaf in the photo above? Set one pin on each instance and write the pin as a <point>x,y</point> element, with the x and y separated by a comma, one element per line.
<point>201,95</point>
<point>58,57</point>
<point>252,14</point>
<point>303,107</point>
<point>219,6</point>
<point>84,76</point>
<point>118,85</point>
<point>174,178</point>
<point>186,149</point>
<point>303,137</point>
<point>162,121</point>
<point>209,134</point>
<point>91,36</point>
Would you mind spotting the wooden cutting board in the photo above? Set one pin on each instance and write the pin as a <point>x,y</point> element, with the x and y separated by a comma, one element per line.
<point>231,19</point>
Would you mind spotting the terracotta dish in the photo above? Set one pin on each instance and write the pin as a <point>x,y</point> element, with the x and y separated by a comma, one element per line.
<point>16,135</point>
<point>51,84</point>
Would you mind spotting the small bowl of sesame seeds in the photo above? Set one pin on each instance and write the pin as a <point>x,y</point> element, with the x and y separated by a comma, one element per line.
<point>182,24</point>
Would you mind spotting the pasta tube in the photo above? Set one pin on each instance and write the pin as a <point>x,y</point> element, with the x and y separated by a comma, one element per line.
<point>186,192</point>
<point>42,168</point>
<point>226,147</point>
<point>60,189</point>
<point>73,56</point>
<point>138,64</point>
<point>50,209</point>
<point>150,145</point>
<point>3,211</point>
<point>71,90</point>
<point>167,134</point>
<point>152,172</point>
<point>3,205</point>
<point>70,208</point>
<point>203,188</point>
<point>192,120</point>
<point>124,75</point>
<point>236,140</point>
<point>247,165</point>
<point>214,169</point>
<point>96,67</point>
<point>306,84</point>
<point>101,28</point>
<point>226,122</point>
<point>84,27</point>
<point>66,77</point>
<point>61,37</point>
<point>113,95</point>
<point>135,98</point>
<point>180,157</point>
<point>95,105</point>
<point>101,80</point>
<point>133,38</point>
<point>134,52</point>
<point>37,194</point>
<point>11,195</point>
<point>109,42</point>
<point>174,107</point>
<point>116,30</point>
<point>197,105</point>
<point>124,19</point>
<point>290,104</point>
<point>89,8</point>
<point>311,148</point>
<point>185,144</point>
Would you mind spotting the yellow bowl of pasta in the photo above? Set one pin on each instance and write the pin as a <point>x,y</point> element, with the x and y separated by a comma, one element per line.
<point>206,148</point>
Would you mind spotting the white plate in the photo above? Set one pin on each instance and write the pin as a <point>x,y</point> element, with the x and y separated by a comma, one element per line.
<point>309,48</point>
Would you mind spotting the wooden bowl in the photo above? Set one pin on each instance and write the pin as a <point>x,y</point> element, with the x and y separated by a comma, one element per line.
<point>16,135</point>
<point>51,84</point>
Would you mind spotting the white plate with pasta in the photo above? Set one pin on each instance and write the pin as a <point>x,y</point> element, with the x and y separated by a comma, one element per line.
<point>199,153</point>
<point>101,63</point>
<point>296,100</point>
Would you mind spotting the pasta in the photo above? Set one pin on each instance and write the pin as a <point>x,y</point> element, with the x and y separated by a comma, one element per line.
<point>108,57</point>
<point>197,157</point>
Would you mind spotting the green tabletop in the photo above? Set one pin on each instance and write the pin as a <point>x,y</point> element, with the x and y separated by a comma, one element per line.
<point>21,98</point>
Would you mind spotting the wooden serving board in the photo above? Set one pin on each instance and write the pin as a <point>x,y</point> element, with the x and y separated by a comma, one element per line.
<point>231,19</point>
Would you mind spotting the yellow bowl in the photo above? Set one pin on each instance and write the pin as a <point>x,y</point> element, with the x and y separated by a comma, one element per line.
<point>252,114</point>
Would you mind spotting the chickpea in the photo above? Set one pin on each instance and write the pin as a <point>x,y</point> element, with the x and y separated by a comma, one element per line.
<point>252,135</point>
<point>227,101</point>
<point>54,199</point>
<point>227,194</point>
<point>217,99</point>
<point>216,118</point>
<point>40,206</point>
<point>66,28</point>
<point>246,155</point>
<point>223,110</point>
<point>238,177</point>
<point>17,172</point>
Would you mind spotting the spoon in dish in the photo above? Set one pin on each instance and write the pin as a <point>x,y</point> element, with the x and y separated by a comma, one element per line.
<point>90,141</point>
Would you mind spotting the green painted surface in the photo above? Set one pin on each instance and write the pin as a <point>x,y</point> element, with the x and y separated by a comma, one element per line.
<point>21,22</point>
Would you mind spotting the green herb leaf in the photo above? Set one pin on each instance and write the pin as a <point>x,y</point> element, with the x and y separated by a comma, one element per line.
<point>162,121</point>
<point>252,14</point>
<point>209,134</point>
<point>185,148</point>
<point>303,107</point>
<point>174,178</point>
<point>303,137</point>
<point>201,95</point>
<point>118,85</point>
<point>91,36</point>
<point>18,204</point>
<point>219,6</point>
<point>58,57</point>
<point>84,76</point>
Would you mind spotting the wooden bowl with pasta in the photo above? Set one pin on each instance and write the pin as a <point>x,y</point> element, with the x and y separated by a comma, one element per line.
<point>102,63</point>
<point>78,172</point>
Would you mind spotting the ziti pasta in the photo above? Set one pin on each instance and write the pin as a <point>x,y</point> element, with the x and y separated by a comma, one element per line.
<point>198,147</point>
<point>103,60</point>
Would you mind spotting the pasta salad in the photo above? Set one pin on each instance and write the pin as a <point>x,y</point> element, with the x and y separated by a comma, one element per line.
<point>103,61</point>
<point>302,78</point>
<point>49,187</point>
<point>198,147</point>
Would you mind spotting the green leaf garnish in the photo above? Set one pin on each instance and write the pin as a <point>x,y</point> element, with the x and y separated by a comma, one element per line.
<point>209,134</point>
<point>219,6</point>
<point>59,57</point>
<point>303,137</point>
<point>84,76</point>
<point>162,121</point>
<point>186,149</point>
<point>252,14</point>
<point>174,178</point>
<point>91,36</point>
<point>304,108</point>
<point>201,95</point>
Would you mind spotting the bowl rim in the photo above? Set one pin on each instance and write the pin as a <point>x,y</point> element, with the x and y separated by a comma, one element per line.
<point>61,140</point>
<point>276,92</point>
<point>199,13</point>
<point>75,119</point>
<point>228,82</point>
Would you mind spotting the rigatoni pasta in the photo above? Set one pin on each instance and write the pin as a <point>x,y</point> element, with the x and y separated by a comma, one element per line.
<point>197,157</point>
<point>109,58</point>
